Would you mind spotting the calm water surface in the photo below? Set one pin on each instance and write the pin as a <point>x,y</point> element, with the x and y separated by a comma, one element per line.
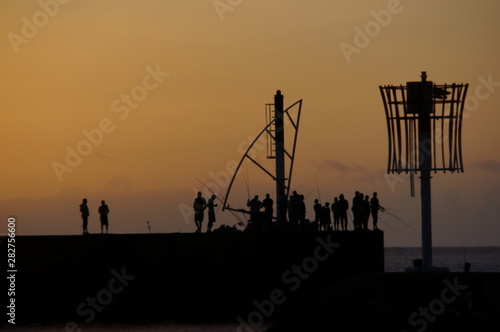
<point>483,259</point>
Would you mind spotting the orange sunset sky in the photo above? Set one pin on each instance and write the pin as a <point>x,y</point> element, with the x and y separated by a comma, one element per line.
<point>172,90</point>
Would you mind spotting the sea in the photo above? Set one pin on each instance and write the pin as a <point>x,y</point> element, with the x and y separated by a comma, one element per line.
<point>482,259</point>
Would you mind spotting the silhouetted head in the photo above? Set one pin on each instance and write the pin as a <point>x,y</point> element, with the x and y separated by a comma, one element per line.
<point>294,193</point>
<point>367,197</point>
<point>356,193</point>
<point>199,193</point>
<point>316,201</point>
<point>103,202</point>
<point>85,200</point>
<point>256,197</point>
<point>375,194</point>
<point>335,199</point>
<point>267,195</point>
<point>213,196</point>
<point>327,204</point>
<point>341,195</point>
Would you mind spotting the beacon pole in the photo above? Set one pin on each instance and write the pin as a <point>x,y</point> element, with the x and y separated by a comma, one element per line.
<point>425,155</point>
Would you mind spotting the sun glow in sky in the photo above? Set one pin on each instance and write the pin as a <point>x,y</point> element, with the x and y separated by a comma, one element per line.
<point>132,101</point>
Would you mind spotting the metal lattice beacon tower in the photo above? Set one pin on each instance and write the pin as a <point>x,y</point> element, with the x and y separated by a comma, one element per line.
<point>424,125</point>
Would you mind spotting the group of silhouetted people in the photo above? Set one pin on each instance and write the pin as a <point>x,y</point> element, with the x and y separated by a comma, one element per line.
<point>199,205</point>
<point>295,207</point>
<point>103,212</point>
<point>362,208</point>
<point>328,217</point>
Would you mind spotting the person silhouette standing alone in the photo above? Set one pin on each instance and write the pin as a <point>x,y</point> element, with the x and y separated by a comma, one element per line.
<point>84,209</point>
<point>103,211</point>
<point>211,212</point>
<point>199,205</point>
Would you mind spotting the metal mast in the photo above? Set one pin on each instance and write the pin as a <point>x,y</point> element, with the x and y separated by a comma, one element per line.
<point>279,138</point>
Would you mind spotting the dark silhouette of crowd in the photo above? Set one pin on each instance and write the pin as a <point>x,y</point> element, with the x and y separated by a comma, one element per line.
<point>332,216</point>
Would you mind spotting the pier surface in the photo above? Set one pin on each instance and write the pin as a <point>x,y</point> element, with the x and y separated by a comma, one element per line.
<point>179,277</point>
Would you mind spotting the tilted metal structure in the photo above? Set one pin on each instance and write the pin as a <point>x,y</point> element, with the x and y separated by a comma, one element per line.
<point>277,116</point>
<point>424,126</point>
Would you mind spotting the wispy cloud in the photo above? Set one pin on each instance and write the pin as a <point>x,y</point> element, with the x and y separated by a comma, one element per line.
<point>489,165</point>
<point>340,166</point>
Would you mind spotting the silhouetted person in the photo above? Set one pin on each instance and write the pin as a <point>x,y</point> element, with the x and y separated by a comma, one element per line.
<point>365,212</point>
<point>268,208</point>
<point>103,212</point>
<point>375,206</point>
<point>343,207</point>
<point>84,209</point>
<point>293,209</point>
<point>199,205</point>
<point>211,212</point>
<point>255,206</point>
<point>301,205</point>
<point>317,213</point>
<point>327,219</point>
<point>282,205</point>
<point>357,202</point>
<point>336,214</point>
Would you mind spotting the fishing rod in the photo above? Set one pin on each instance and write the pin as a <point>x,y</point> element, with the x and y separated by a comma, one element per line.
<point>309,194</point>
<point>317,188</point>
<point>382,220</point>
<point>247,183</point>
<point>401,221</point>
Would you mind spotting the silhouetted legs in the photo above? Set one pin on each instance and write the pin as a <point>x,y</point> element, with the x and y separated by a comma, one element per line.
<point>85,224</point>
<point>336,222</point>
<point>375,218</point>
<point>211,220</point>
<point>343,221</point>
